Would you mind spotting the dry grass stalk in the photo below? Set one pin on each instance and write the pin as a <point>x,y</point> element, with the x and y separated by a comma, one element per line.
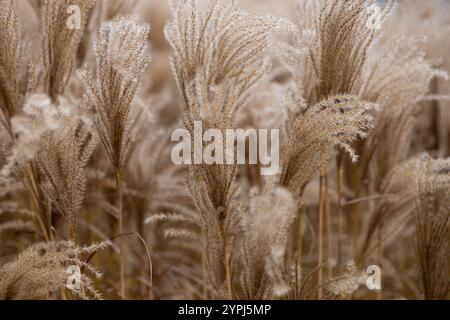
<point>398,191</point>
<point>121,58</point>
<point>60,141</point>
<point>432,220</point>
<point>219,55</point>
<point>388,83</point>
<point>266,228</point>
<point>327,56</point>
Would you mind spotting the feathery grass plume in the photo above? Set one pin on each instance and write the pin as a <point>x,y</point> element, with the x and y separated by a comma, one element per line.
<point>28,129</point>
<point>10,37</point>
<point>327,55</point>
<point>266,231</point>
<point>218,56</point>
<point>61,141</point>
<point>328,52</point>
<point>41,269</point>
<point>389,83</point>
<point>431,20</point>
<point>104,10</point>
<point>62,160</point>
<point>316,134</point>
<point>60,42</point>
<point>400,192</point>
<point>121,58</point>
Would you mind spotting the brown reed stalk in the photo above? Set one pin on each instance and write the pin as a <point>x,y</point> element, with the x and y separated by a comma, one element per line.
<point>322,205</point>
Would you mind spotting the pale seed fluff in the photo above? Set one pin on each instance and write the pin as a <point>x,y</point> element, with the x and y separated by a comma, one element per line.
<point>40,117</point>
<point>280,289</point>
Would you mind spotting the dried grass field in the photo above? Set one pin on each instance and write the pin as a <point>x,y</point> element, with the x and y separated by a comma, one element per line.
<point>210,149</point>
